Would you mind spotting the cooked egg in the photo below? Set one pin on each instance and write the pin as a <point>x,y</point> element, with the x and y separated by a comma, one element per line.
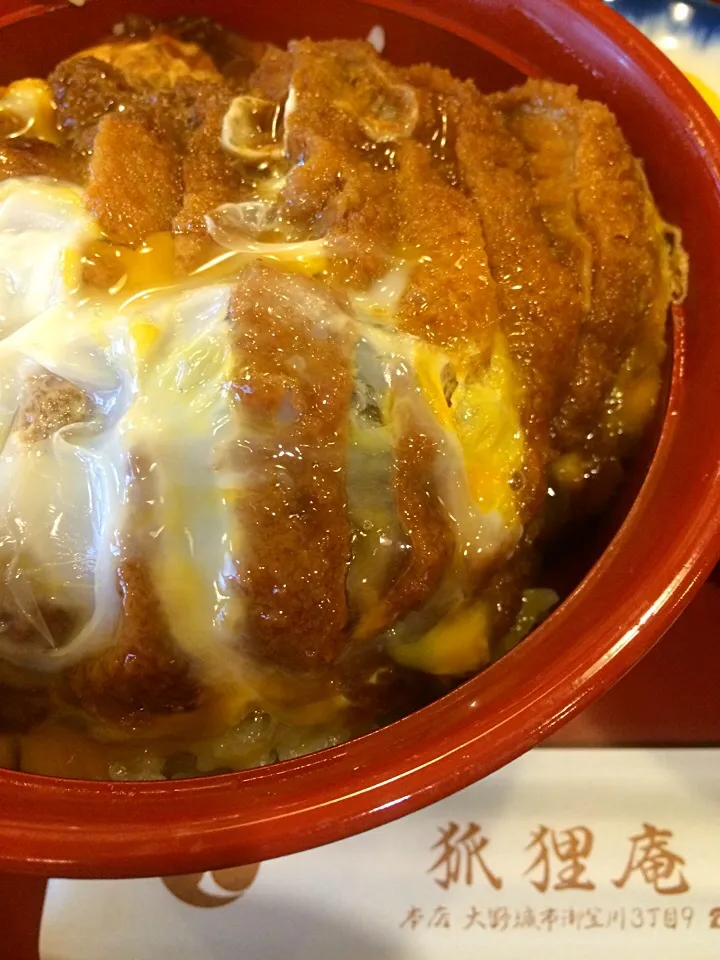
<point>31,102</point>
<point>459,644</point>
<point>154,356</point>
<point>181,416</point>
<point>43,228</point>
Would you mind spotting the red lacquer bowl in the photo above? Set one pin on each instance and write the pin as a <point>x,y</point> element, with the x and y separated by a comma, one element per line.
<point>666,545</point>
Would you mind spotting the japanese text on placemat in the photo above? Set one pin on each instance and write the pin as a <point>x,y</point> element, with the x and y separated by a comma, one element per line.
<point>559,859</point>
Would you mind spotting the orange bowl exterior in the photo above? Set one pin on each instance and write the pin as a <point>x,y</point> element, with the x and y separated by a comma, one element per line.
<point>665,547</point>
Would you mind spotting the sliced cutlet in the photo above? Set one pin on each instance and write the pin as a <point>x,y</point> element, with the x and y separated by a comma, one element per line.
<point>133,183</point>
<point>291,386</point>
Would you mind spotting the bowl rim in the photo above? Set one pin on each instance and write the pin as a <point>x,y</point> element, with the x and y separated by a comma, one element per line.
<point>80,828</point>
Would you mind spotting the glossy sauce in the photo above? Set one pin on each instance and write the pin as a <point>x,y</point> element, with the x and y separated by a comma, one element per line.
<point>314,336</point>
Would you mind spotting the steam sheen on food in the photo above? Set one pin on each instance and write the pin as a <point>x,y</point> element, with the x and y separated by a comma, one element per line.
<point>304,358</point>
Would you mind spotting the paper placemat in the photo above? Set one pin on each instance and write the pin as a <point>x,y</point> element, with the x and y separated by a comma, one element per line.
<point>564,853</point>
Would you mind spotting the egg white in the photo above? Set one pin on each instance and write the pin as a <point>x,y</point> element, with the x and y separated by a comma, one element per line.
<point>157,368</point>
<point>43,226</point>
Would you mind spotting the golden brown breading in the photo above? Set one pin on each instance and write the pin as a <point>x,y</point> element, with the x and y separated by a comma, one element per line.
<point>337,195</point>
<point>342,188</point>
<point>271,77</point>
<point>542,116</point>
<point>211,176</point>
<point>595,200</point>
<point>630,281</point>
<point>47,403</point>
<point>427,525</point>
<point>539,297</point>
<point>485,322</point>
<point>291,383</point>
<point>346,82</point>
<point>141,675</point>
<point>20,157</point>
<point>450,299</point>
<point>85,89</point>
<point>133,185</point>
